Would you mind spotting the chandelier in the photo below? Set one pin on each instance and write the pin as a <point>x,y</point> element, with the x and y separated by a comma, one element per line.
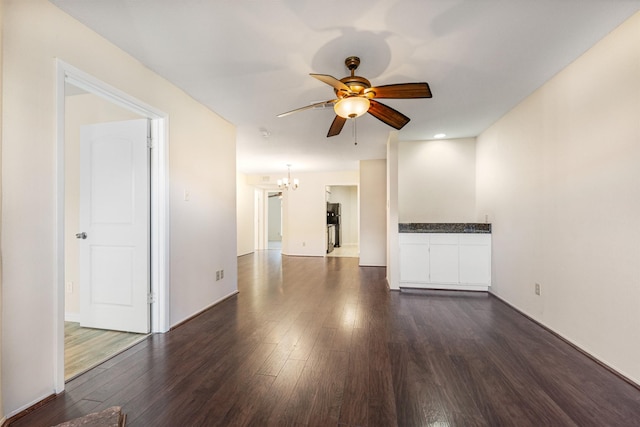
<point>287,182</point>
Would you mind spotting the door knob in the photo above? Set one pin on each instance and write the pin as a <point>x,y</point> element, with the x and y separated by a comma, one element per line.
<point>82,235</point>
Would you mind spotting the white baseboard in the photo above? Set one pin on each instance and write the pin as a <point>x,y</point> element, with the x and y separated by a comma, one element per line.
<point>560,336</point>
<point>218,301</point>
<point>72,317</point>
<point>29,406</point>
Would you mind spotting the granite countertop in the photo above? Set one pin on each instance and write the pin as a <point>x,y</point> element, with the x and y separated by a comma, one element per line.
<point>445,227</point>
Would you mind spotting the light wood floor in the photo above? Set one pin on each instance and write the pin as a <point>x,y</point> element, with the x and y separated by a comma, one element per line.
<point>85,348</point>
<point>345,251</point>
<point>319,341</point>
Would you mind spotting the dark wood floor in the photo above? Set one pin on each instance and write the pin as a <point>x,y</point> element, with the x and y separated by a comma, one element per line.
<point>322,342</point>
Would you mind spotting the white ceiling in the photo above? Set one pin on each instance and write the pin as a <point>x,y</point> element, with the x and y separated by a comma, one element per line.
<point>249,61</point>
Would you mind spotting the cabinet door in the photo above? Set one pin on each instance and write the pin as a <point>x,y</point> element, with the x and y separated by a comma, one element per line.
<point>443,263</point>
<point>414,262</point>
<point>475,264</point>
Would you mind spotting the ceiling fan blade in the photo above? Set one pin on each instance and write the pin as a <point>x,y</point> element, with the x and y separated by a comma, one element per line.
<point>336,126</point>
<point>310,107</point>
<point>331,81</point>
<point>388,115</point>
<point>402,91</point>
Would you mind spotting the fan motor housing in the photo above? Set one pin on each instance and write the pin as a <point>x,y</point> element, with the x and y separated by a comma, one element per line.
<point>357,85</point>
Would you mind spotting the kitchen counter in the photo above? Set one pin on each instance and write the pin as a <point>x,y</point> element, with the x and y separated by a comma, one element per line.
<point>444,227</point>
<point>445,256</point>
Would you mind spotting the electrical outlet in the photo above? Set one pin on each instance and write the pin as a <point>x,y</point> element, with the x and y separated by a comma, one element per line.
<point>217,275</point>
<point>537,288</point>
<point>69,287</point>
<point>304,244</point>
<point>221,274</point>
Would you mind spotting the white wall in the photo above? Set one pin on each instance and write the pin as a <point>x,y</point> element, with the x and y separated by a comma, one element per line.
<point>373,212</point>
<point>437,180</point>
<point>304,212</point>
<point>79,110</point>
<point>559,177</point>
<point>201,159</point>
<point>245,215</point>
<point>393,244</point>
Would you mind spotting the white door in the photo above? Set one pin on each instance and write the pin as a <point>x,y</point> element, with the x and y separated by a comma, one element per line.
<point>114,215</point>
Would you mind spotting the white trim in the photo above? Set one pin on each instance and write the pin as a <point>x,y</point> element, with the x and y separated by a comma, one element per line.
<point>443,287</point>
<point>216,302</point>
<point>22,408</point>
<point>72,317</point>
<point>159,277</point>
<point>85,81</point>
<point>160,321</point>
<point>59,291</point>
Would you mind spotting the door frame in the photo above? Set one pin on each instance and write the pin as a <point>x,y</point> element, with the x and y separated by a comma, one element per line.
<point>268,218</point>
<point>259,218</point>
<point>159,178</point>
<point>262,217</point>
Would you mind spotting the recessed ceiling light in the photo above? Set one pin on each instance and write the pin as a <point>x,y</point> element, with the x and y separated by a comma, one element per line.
<point>439,135</point>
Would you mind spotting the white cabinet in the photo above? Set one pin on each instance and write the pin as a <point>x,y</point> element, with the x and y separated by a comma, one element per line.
<point>475,258</point>
<point>445,261</point>
<point>443,258</point>
<point>412,260</point>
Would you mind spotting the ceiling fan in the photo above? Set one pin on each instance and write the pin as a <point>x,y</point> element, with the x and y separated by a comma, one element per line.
<point>355,96</point>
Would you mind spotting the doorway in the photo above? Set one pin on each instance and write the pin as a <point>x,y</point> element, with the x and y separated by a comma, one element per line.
<point>268,219</point>
<point>106,244</point>
<point>274,220</point>
<point>82,98</point>
<point>343,229</point>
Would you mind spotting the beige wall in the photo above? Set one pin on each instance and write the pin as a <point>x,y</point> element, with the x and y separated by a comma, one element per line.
<point>304,212</point>
<point>437,180</point>
<point>373,212</point>
<point>201,160</point>
<point>559,177</point>
<point>304,217</point>
<point>80,110</point>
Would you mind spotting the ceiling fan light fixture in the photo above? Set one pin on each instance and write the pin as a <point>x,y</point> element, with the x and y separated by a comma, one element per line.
<point>355,96</point>
<point>351,107</point>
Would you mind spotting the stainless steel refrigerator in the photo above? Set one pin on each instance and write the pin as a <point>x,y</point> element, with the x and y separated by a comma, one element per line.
<point>333,218</point>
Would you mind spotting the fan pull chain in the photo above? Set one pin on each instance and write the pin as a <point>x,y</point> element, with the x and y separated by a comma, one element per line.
<point>355,132</point>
